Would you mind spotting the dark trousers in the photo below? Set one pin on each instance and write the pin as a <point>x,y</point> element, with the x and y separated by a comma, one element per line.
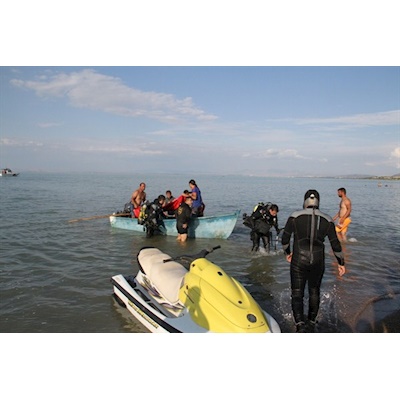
<point>299,276</point>
<point>256,237</point>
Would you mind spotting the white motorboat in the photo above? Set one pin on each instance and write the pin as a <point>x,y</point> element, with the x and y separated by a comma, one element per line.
<point>8,172</point>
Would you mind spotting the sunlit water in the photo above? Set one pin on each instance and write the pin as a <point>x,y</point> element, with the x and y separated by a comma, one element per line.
<point>55,275</point>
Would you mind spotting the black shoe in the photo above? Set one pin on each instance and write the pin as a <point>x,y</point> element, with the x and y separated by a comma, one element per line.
<point>301,327</point>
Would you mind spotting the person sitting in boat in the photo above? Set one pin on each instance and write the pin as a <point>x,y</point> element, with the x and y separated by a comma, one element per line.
<point>198,205</point>
<point>173,205</point>
<point>183,215</point>
<point>169,213</point>
<point>138,198</point>
<point>262,219</point>
<point>168,196</point>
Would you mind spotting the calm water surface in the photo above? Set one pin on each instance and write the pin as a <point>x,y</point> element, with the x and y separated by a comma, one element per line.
<point>55,275</point>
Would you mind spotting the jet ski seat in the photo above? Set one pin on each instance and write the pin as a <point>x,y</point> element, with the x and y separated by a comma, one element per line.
<point>167,278</point>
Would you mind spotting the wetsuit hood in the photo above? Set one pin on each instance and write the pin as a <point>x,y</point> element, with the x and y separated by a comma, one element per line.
<point>311,199</point>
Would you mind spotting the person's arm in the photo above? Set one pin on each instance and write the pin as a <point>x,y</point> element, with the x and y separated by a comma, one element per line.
<point>276,225</point>
<point>188,214</point>
<point>193,194</point>
<point>287,233</point>
<point>336,248</point>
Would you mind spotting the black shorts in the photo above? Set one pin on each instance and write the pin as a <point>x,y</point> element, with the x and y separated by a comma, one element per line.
<point>181,230</point>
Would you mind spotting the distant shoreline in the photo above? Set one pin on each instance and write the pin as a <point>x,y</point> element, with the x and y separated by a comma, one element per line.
<point>385,178</point>
<point>350,176</point>
<point>376,178</point>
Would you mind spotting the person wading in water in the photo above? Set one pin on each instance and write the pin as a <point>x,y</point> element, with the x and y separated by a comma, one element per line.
<point>310,227</point>
<point>343,215</point>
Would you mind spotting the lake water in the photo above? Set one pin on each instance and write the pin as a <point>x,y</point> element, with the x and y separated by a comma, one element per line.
<point>55,275</point>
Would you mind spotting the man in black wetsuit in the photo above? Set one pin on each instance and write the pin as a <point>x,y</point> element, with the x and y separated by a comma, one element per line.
<point>307,260</point>
<point>183,215</point>
<point>262,219</point>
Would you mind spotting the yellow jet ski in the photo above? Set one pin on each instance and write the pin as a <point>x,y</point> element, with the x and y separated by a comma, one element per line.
<point>166,297</point>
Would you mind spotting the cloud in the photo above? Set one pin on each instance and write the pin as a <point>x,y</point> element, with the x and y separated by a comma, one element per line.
<point>132,150</point>
<point>19,143</point>
<point>395,153</point>
<point>92,147</point>
<point>48,124</point>
<point>357,120</point>
<point>274,153</point>
<point>92,90</point>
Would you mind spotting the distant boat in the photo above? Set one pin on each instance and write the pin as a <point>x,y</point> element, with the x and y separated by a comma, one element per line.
<point>213,227</point>
<point>8,172</point>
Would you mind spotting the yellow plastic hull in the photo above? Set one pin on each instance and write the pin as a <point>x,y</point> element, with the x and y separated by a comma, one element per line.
<point>207,284</point>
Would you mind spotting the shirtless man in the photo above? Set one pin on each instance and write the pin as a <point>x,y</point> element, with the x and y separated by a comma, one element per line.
<point>137,199</point>
<point>343,215</point>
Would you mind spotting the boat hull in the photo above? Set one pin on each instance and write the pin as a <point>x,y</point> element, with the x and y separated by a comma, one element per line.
<point>213,227</point>
<point>8,172</point>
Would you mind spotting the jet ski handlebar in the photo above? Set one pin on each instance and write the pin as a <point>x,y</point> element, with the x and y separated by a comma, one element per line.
<point>191,257</point>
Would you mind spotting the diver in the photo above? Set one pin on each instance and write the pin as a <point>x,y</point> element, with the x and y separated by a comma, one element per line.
<point>151,215</point>
<point>262,219</point>
<point>309,227</point>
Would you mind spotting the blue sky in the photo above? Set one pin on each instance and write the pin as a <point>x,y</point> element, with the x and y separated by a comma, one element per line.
<point>271,121</point>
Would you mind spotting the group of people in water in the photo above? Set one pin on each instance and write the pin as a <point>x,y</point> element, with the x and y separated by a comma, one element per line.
<point>265,216</point>
<point>309,228</point>
<point>188,205</point>
<point>306,254</point>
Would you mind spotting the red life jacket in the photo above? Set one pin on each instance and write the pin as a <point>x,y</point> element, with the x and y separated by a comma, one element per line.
<point>174,204</point>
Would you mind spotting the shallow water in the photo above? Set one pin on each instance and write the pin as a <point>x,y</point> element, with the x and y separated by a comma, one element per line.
<point>55,275</point>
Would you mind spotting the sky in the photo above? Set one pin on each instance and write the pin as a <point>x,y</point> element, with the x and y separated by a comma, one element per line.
<point>271,121</point>
<point>266,121</point>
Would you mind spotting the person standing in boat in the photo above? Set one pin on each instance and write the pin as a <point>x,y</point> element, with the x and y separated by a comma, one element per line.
<point>183,215</point>
<point>137,199</point>
<point>195,194</point>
